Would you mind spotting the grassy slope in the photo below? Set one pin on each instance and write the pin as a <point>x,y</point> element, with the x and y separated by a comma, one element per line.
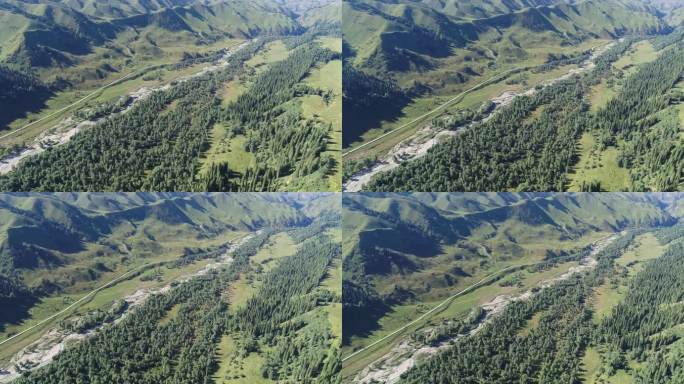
<point>597,165</point>
<point>234,370</point>
<point>602,165</point>
<point>327,77</point>
<point>607,296</point>
<point>247,371</point>
<point>487,52</point>
<point>268,257</point>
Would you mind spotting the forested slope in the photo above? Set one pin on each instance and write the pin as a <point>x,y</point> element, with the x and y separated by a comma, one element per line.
<point>434,48</point>
<point>172,129</point>
<point>400,248</point>
<point>576,336</point>
<point>142,349</point>
<point>533,144</point>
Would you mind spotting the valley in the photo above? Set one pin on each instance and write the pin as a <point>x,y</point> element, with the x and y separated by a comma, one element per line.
<point>194,60</point>
<point>411,318</point>
<point>189,259</point>
<point>421,145</point>
<point>422,140</point>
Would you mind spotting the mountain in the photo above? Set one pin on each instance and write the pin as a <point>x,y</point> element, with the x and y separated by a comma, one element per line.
<point>420,50</point>
<point>49,33</point>
<point>50,242</point>
<point>398,247</point>
<point>409,36</point>
<point>111,60</point>
<point>227,285</point>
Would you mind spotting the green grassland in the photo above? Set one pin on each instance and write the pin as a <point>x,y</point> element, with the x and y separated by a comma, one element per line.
<point>534,247</point>
<point>92,45</point>
<point>642,52</point>
<point>598,165</point>
<point>237,369</point>
<point>273,52</point>
<point>121,234</point>
<point>434,72</point>
<point>165,239</point>
<point>644,248</point>
<point>230,149</point>
<point>600,95</point>
<point>236,366</point>
<point>328,77</point>
<point>227,149</point>
<point>266,259</point>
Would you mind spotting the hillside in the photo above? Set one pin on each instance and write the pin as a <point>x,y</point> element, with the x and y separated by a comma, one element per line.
<point>63,232</point>
<point>20,92</point>
<point>71,264</point>
<point>603,127</point>
<point>435,72</point>
<point>82,29</point>
<point>252,88</point>
<point>613,322</point>
<point>405,253</point>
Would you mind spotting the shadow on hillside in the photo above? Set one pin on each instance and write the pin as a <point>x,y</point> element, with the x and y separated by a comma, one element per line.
<point>15,311</point>
<point>19,107</point>
<point>362,321</point>
<point>359,120</point>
